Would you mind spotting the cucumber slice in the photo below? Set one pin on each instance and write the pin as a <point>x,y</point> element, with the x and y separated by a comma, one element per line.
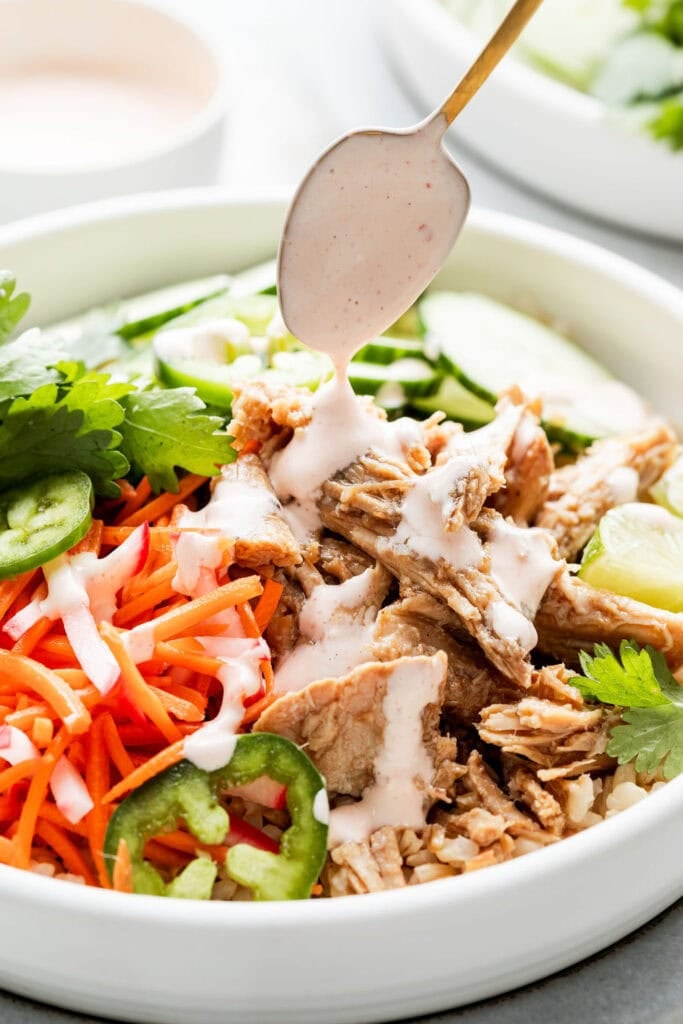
<point>41,520</point>
<point>490,347</point>
<point>151,311</point>
<point>214,382</point>
<point>457,402</point>
<point>303,368</point>
<point>387,350</point>
<point>255,311</point>
<point>637,551</point>
<point>415,377</point>
<point>668,491</point>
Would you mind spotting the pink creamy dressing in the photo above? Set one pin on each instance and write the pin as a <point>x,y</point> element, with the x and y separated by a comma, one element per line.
<point>336,628</point>
<point>394,797</point>
<point>60,117</point>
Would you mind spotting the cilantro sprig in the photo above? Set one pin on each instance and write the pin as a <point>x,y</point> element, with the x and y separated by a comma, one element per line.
<point>57,415</point>
<point>639,680</point>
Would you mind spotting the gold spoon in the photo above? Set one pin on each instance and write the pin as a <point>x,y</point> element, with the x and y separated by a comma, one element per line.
<point>375,218</point>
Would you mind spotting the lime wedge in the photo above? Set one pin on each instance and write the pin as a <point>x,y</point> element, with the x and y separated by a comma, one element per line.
<point>637,551</point>
<point>668,491</point>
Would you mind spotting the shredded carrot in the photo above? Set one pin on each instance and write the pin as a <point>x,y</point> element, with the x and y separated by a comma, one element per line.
<point>50,812</point>
<point>194,612</point>
<point>31,675</point>
<point>174,652</point>
<point>181,709</point>
<point>97,779</point>
<point>92,541</point>
<point>123,869</point>
<point>164,503</point>
<point>142,695</point>
<point>156,595</point>
<point>164,856</point>
<point>6,850</point>
<point>112,536</point>
<point>115,748</point>
<point>135,498</point>
<point>42,731</point>
<point>256,709</point>
<point>70,856</point>
<point>252,447</point>
<point>11,589</point>
<point>146,581</point>
<point>24,770</point>
<point>164,759</point>
<point>33,635</point>
<point>58,646</point>
<point>23,840</point>
<point>267,603</point>
<point>249,624</point>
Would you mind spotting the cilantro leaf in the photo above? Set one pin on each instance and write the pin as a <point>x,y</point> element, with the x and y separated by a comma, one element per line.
<point>636,682</point>
<point>652,737</point>
<point>25,365</point>
<point>12,307</point>
<point>59,428</point>
<point>165,430</point>
<point>651,732</point>
<point>668,124</point>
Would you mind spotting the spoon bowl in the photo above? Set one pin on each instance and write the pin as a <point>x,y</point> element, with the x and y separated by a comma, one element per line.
<point>371,224</point>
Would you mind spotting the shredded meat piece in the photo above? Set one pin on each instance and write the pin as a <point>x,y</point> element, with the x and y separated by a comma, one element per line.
<point>363,503</point>
<point>268,414</point>
<point>554,682</point>
<point>560,737</point>
<point>574,615</point>
<point>273,543</point>
<point>581,493</point>
<point>340,723</point>
<point>492,797</point>
<point>529,464</point>
<point>340,560</point>
<point>525,787</point>
<point>481,826</point>
<point>414,626</point>
<point>282,633</point>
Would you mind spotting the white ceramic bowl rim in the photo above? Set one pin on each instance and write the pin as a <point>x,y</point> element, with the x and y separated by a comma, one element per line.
<point>195,126</point>
<point>603,840</point>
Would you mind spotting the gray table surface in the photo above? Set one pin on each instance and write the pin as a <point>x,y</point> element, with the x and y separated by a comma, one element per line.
<point>320,68</point>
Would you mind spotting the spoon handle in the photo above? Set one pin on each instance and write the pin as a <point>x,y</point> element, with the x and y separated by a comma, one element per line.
<point>493,52</point>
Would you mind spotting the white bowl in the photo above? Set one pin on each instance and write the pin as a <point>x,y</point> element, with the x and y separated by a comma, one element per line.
<point>100,99</point>
<point>391,954</point>
<point>546,134</point>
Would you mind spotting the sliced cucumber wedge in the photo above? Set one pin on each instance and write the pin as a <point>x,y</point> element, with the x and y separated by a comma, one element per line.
<point>637,551</point>
<point>385,350</point>
<point>302,368</point>
<point>407,326</point>
<point>255,311</point>
<point>457,402</point>
<point>214,381</point>
<point>490,347</point>
<point>668,491</point>
<point>415,377</point>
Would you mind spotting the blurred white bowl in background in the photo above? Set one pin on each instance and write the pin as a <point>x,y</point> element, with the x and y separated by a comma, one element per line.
<point>549,136</point>
<point>102,98</point>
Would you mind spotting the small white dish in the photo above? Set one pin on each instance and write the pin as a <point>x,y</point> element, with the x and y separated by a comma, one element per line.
<point>102,98</point>
<point>391,954</point>
<point>549,136</point>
